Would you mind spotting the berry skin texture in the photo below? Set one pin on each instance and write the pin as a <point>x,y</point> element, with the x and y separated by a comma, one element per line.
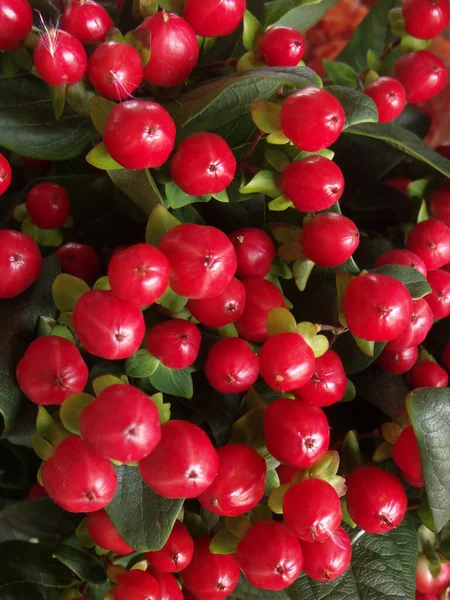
<point>422,74</point>
<point>48,205</point>
<point>312,119</point>
<point>427,373</point>
<point>313,183</point>
<point>177,552</point>
<point>86,20</point>
<point>377,307</point>
<point>214,18</point>
<point>285,473</point>
<point>168,585</point>
<point>439,298</point>
<point>5,174</point>
<point>328,560</point>
<point>59,58</point>
<point>312,510</point>
<point>262,297</point>
<point>175,343</point>
<point>80,261</point>
<point>107,326</point>
<point>397,362</point>
<point>138,585</point>
<point>296,432</point>
<point>240,483</point>
<point>286,362</point>
<point>222,310</point>
<point>78,479</point>
<point>376,500</point>
<point>174,50</point>
<point>183,464</point>
<point>139,134</point>
<point>16,20</point>
<point>418,328</point>
<point>389,96</point>
<point>203,164</point>
<point>426,19</point>
<point>340,233</point>
<point>231,367</point>
<point>425,582</point>
<point>51,370</point>
<point>139,274</point>
<point>20,263</point>
<point>202,260</point>
<point>282,47</point>
<point>430,240</point>
<point>255,252</point>
<point>328,383</point>
<point>440,203</point>
<point>210,576</point>
<point>104,534</point>
<point>115,70</point>
<point>406,455</point>
<point>402,257</point>
<point>270,556</point>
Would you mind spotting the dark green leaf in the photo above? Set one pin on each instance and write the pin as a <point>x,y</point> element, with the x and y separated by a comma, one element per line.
<point>175,382</point>
<point>416,283</point>
<point>139,186</point>
<point>28,591</point>
<point>246,591</point>
<point>98,592</point>
<point>276,9</point>
<point>301,18</point>
<point>358,107</point>
<point>384,390</point>
<point>353,359</point>
<point>340,73</point>
<point>82,562</point>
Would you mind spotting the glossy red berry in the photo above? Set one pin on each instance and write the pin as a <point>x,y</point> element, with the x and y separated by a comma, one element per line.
<point>262,297</point>
<point>5,171</point>
<point>328,560</point>
<point>78,479</point>
<point>175,343</point>
<point>222,310</point>
<point>270,556</point>
<point>115,70</point>
<point>389,96</point>
<point>377,307</point>
<point>107,326</point>
<point>328,382</point>
<point>422,74</point>
<point>138,585</point>
<point>184,463</point>
<point>312,119</point>
<point>174,50</point>
<point>376,500</point>
<point>177,552</point>
<point>439,298</point>
<point>340,234</point>
<point>48,205</point>
<point>285,473</point>
<point>282,47</point>
<point>214,18</point>
<point>80,261</point>
<point>37,491</point>
<point>425,582</point>
<point>399,361</point>
<point>104,534</point>
<point>430,240</point>
<point>402,257</point>
<point>406,455</point>
<point>139,134</point>
<point>296,432</point>
<point>427,373</point>
<point>232,366</point>
<point>236,490</point>
<point>440,202</point>
<point>16,20</point>
<point>168,585</point>
<point>86,20</point>
<point>20,263</point>
<point>202,260</point>
<point>313,183</point>
<point>426,19</point>
<point>255,252</point>
<point>59,58</point>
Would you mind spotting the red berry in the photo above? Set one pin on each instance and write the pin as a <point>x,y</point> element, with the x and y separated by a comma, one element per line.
<point>402,257</point>
<point>340,233</point>
<point>236,490</point>
<point>174,50</point>
<point>418,328</point>
<point>282,47</point>
<point>177,552</point>
<point>328,560</point>
<point>430,240</point>
<point>444,149</point>
<point>285,473</point>
<point>222,310</point>
<point>168,585</point>
<point>377,307</point>
<point>184,463</point>
<point>328,383</point>
<point>80,261</point>
<point>376,500</point>
<point>440,202</point>
<point>48,205</point>
<point>262,297</point>
<point>439,298</point>
<point>406,454</point>
<point>107,326</point>
<point>296,432</point>
<point>313,183</point>
<point>312,119</point>
<point>202,260</point>
<point>139,134</point>
<point>59,58</point>
<point>426,19</point>
<point>427,373</point>
<point>426,583</point>
<point>104,534</point>
<point>420,596</point>
<point>399,361</point>
<point>78,479</point>
<point>16,20</point>
<point>175,343</point>
<point>389,96</point>
<point>270,556</point>
<point>138,585</point>
<point>255,252</point>
<point>213,18</point>
<point>232,366</point>
<point>398,183</point>
<point>5,170</point>
<point>115,70</point>
<point>422,74</point>
<point>36,492</point>
<point>86,20</point>
<point>20,263</point>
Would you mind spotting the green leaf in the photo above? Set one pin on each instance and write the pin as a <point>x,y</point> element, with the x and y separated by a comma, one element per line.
<point>423,214</point>
<point>175,382</point>
<point>264,182</point>
<point>140,39</point>
<point>71,409</point>
<point>272,481</point>
<point>253,31</point>
<point>172,301</point>
<point>277,9</point>
<point>416,283</point>
<point>358,107</point>
<point>224,542</point>
<point>280,320</point>
<point>99,109</point>
<point>139,186</point>
<point>159,223</point>
<point>67,290</point>
<point>279,204</point>
<point>104,381</point>
<point>163,407</point>
<point>42,237</point>
<point>100,158</point>
<point>28,591</point>
<point>340,73</point>
<point>58,98</point>
<point>177,198</point>
<point>142,518</point>
<point>352,358</point>
<point>141,364</point>
<point>83,563</point>
<point>266,115</point>
<point>298,14</point>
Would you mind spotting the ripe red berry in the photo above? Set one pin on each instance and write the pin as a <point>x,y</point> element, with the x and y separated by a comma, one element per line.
<point>174,50</point>
<point>213,18</point>
<point>296,432</point>
<point>78,479</point>
<point>422,74</point>
<point>232,366</point>
<point>236,490</point>
<point>270,556</point>
<point>5,171</point>
<point>376,500</point>
<point>439,298</point>
<point>399,361</point>
<point>440,203</point>
<point>168,585</point>
<point>285,473</point>
<point>426,19</point>
<point>255,252</point>
<point>262,297</point>
<point>80,261</point>
<point>104,534</point>
<point>430,240</point>
<point>139,134</point>
<point>425,582</point>
<point>340,233</point>
<point>59,58</point>
<point>107,326</point>
<point>377,307</point>
<point>328,383</point>
<point>37,491</point>
<point>312,119</point>
<point>402,257</point>
<point>16,20</point>
<point>48,205</point>
<point>225,308</point>
<point>184,463</point>
<point>427,373</point>
<point>115,70</point>
<point>175,343</point>
<point>138,585</point>
<point>313,183</point>
<point>177,552</point>
<point>328,560</point>
<point>202,260</point>
<point>282,47</point>
<point>389,96</point>
<point>406,455</point>
<point>20,263</point>
<point>86,20</point>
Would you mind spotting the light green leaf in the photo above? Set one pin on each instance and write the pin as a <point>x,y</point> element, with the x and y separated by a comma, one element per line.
<point>99,109</point>
<point>253,31</point>
<point>296,13</point>
<point>172,301</point>
<point>159,223</point>
<point>67,290</point>
<point>100,158</point>
<point>264,182</point>
<point>71,409</point>
<point>341,74</point>
<point>224,542</point>
<point>139,186</point>
<point>277,9</point>
<point>104,381</point>
<point>280,203</point>
<point>280,320</point>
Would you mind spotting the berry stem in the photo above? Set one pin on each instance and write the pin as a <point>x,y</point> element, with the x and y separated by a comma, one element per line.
<point>244,162</point>
<point>335,330</point>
